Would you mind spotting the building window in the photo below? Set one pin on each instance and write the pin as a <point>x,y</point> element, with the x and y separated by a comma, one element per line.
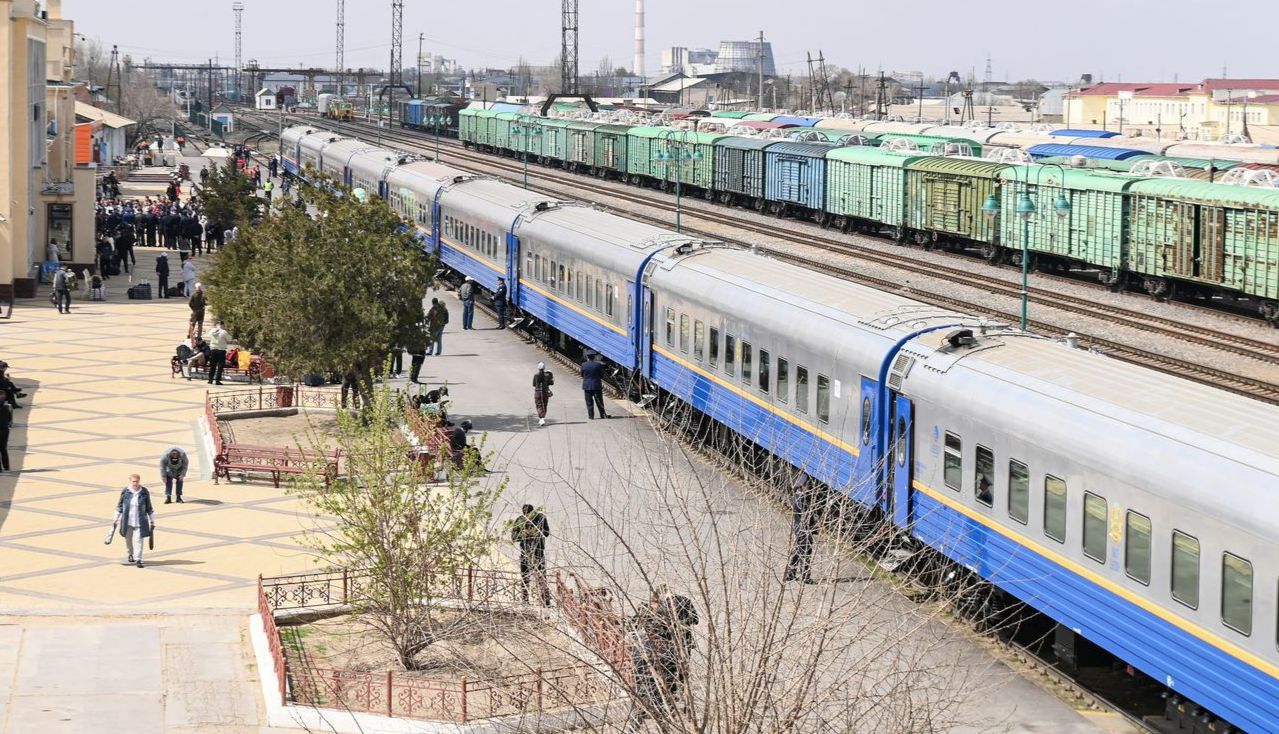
<point>1137,535</point>
<point>683,333</point>
<point>699,337</point>
<point>714,346</point>
<point>764,375</point>
<point>746,362</point>
<point>984,476</point>
<point>1095,523</point>
<point>953,462</point>
<point>1185,569</point>
<point>783,380</point>
<point>1236,593</point>
<point>801,388</point>
<point>823,398</point>
<point>1055,508</point>
<point>730,354</point>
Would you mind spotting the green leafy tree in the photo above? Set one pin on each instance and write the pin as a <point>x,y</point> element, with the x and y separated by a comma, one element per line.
<point>329,293</point>
<point>406,535</point>
<point>228,195</point>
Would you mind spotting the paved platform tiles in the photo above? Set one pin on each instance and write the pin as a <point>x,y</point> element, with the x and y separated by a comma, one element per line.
<point>164,647</point>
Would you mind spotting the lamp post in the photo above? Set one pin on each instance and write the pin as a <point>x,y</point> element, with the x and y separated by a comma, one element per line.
<point>525,125</point>
<point>436,121</point>
<point>1026,211</point>
<point>676,144</point>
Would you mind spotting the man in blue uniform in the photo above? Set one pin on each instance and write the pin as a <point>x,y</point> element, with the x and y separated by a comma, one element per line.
<point>593,385</point>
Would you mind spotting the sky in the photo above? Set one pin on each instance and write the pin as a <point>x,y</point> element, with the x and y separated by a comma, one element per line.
<point>1115,40</point>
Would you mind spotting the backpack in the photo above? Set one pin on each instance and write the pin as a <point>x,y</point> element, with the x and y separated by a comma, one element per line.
<point>184,352</point>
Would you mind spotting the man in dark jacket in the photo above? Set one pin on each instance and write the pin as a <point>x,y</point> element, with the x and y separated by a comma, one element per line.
<point>149,221</point>
<point>803,529</point>
<point>530,531</point>
<point>436,319</point>
<point>162,274</point>
<point>196,303</point>
<point>593,385</point>
<point>135,517</point>
<point>124,248</point>
<point>173,468</point>
<point>499,302</point>
<point>193,231</point>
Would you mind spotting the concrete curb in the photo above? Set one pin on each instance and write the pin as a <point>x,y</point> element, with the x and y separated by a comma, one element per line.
<point>309,718</point>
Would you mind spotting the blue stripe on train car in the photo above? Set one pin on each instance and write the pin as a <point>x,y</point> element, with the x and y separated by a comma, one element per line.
<point>484,273</point>
<point>1191,666</point>
<point>776,431</point>
<point>291,167</point>
<point>612,341</point>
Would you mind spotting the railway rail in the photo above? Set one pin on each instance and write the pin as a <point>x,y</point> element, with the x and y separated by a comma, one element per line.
<point>1204,336</point>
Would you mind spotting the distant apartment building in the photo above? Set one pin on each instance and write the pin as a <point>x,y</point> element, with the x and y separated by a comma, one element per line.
<point>1207,110</point>
<point>45,192</point>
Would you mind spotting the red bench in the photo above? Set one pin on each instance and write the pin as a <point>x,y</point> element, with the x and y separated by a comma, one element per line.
<point>253,373</point>
<point>274,461</point>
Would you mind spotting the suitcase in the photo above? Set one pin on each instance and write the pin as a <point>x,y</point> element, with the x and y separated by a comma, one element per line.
<point>140,292</point>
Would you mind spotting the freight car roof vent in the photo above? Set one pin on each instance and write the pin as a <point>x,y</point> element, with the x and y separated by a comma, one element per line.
<point>961,338</point>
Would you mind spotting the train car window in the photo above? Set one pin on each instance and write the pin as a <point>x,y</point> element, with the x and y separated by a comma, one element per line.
<point>1095,524</point>
<point>1236,593</point>
<point>590,302</point>
<point>1055,508</point>
<point>1137,547</point>
<point>714,351</point>
<point>609,293</point>
<point>764,376</point>
<point>823,398</point>
<point>699,339</point>
<point>746,362</point>
<point>550,275</point>
<point>730,354</point>
<point>783,380</point>
<point>567,286</point>
<point>1185,569</point>
<point>984,476</point>
<point>599,295</point>
<point>577,290</point>
<point>528,264</point>
<point>670,327</point>
<point>683,333</point>
<point>801,388</point>
<point>953,462</point>
<point>865,421</point>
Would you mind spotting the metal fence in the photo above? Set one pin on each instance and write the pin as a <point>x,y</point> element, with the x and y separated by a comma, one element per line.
<point>272,397</point>
<point>401,694</point>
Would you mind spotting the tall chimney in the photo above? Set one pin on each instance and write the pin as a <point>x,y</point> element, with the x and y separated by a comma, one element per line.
<point>637,63</point>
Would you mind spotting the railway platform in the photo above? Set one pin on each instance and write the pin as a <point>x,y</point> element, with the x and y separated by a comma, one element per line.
<point>90,645</point>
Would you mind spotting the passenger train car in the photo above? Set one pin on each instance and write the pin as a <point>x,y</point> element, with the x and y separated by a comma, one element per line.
<point>1130,507</point>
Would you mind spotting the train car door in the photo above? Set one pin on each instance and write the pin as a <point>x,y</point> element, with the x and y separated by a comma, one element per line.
<point>512,267</point>
<point>900,459</point>
<point>865,479</point>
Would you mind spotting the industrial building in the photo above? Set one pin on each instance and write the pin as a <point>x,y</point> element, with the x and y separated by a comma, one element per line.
<point>732,56</point>
<point>45,192</point>
<point>1207,110</point>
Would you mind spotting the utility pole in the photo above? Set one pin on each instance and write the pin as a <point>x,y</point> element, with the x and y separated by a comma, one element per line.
<point>238,8</point>
<point>760,63</point>
<point>829,102</point>
<point>113,71</point>
<point>568,47</point>
<point>420,38</point>
<point>341,47</point>
<point>920,89</point>
<point>397,42</point>
<point>881,97</point>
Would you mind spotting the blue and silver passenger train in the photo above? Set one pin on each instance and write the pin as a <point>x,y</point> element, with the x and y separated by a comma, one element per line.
<point>1135,509</point>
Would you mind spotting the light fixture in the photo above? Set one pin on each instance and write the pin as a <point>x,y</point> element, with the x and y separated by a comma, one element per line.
<point>1025,207</point>
<point>991,207</point>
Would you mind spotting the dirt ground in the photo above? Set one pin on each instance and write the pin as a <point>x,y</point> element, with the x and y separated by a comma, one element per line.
<point>284,432</point>
<point>477,645</point>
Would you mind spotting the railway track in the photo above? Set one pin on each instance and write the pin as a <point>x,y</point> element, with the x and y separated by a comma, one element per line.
<point>1231,343</point>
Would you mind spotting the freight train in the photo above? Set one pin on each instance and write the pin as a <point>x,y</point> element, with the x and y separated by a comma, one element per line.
<point>929,185</point>
<point>1131,507</point>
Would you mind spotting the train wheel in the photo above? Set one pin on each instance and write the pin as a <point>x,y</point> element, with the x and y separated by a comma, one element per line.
<point>775,208</point>
<point>1270,312</point>
<point>844,224</point>
<point>922,239</point>
<point>758,204</point>
<point>992,253</point>
<point>823,219</point>
<point>1112,278</point>
<point>663,186</point>
<point>634,180</point>
<point>1157,287</point>
<point>725,198</point>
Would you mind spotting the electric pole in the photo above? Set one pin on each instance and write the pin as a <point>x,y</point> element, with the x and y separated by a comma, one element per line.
<point>568,48</point>
<point>420,38</point>
<point>341,49</point>
<point>238,8</point>
<point>759,57</point>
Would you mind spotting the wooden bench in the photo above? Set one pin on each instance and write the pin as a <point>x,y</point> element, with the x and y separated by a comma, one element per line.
<point>274,461</point>
<point>252,374</point>
<point>427,451</point>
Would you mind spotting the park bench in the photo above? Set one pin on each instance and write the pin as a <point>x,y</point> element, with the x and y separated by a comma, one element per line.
<point>274,461</point>
<point>253,374</point>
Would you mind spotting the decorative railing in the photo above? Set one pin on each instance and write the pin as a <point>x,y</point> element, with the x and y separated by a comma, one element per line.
<point>273,397</point>
<point>592,614</point>
<point>402,694</point>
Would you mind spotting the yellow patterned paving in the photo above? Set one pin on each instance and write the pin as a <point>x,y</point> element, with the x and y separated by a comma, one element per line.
<point>101,404</point>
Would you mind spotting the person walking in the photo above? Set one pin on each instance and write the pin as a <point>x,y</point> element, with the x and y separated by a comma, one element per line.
<point>803,530</point>
<point>529,531</point>
<point>417,347</point>
<point>218,340</point>
<point>6,420</point>
<point>196,303</point>
<point>351,387</point>
<point>436,319</point>
<point>188,277</point>
<point>467,295</point>
<point>593,385</point>
<point>267,188</point>
<point>62,289</point>
<point>542,381</point>
<point>134,517</point>
<point>499,302</point>
<point>173,468</point>
<point>162,273</point>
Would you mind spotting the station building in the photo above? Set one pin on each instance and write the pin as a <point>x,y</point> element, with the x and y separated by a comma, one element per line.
<point>44,192</point>
<point>1207,110</point>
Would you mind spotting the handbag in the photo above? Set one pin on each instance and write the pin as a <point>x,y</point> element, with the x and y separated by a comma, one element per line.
<point>110,535</point>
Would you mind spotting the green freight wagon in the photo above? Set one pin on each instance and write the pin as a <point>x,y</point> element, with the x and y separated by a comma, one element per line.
<point>933,144</point>
<point>866,187</point>
<point>1198,238</point>
<point>580,147</point>
<point>1092,234</point>
<point>611,144</point>
<point>552,143</point>
<point>944,198</point>
<point>663,155</point>
<point>731,114</point>
<point>503,140</point>
<point>482,128</point>
<point>467,120</point>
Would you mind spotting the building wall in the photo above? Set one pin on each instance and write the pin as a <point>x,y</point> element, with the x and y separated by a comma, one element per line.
<point>1196,116</point>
